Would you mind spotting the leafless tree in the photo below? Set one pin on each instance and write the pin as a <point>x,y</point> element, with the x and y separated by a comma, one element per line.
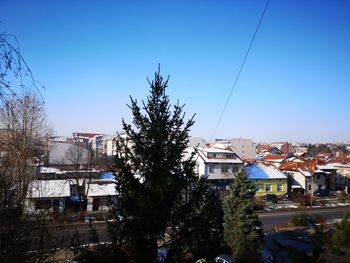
<point>22,128</point>
<point>80,157</point>
<point>15,73</point>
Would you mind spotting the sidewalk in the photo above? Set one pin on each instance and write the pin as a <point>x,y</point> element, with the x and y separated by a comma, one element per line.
<point>320,203</point>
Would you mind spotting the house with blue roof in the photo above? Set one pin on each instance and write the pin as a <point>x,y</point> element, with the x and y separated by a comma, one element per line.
<point>267,179</point>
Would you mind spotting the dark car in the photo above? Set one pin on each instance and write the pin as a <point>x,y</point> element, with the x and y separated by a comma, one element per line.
<point>271,198</point>
<point>321,193</point>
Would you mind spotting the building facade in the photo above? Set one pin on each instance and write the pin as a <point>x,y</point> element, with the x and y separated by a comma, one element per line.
<point>219,166</point>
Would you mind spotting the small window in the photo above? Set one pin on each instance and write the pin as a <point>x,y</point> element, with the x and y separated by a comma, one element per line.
<point>279,187</point>
<point>309,187</point>
<point>211,168</point>
<point>318,176</point>
<point>268,188</point>
<point>235,169</point>
<point>224,169</point>
<point>257,187</point>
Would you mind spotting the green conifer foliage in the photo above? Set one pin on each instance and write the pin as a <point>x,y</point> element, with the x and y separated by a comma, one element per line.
<point>242,229</point>
<point>160,197</point>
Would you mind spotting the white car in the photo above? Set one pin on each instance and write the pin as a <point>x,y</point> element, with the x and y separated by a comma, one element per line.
<point>225,259</point>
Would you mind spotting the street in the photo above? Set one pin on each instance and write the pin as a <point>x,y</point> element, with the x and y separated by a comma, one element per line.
<point>270,219</point>
<point>68,234</point>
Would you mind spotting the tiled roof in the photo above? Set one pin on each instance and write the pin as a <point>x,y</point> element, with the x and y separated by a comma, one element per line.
<point>308,165</point>
<point>297,166</point>
<point>343,160</point>
<point>276,157</point>
<point>264,147</point>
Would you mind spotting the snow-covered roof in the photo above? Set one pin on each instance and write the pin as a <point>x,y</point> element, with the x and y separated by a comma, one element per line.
<point>260,171</point>
<point>326,167</point>
<point>44,169</point>
<point>49,188</point>
<point>61,188</point>
<point>219,160</point>
<point>97,189</point>
<point>340,165</point>
<point>214,150</point>
<point>304,172</point>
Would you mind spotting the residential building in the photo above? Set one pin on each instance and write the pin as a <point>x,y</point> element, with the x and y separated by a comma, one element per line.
<point>287,148</point>
<point>220,144</point>
<point>109,145</point>
<point>276,160</point>
<point>263,150</point>
<point>244,148</point>
<point>57,195</point>
<point>219,166</point>
<point>267,179</point>
<point>300,177</point>
<point>61,153</point>
<point>103,145</point>
<point>310,175</point>
<point>196,142</point>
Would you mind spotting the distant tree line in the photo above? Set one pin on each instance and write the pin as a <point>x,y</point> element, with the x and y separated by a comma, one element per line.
<point>313,149</point>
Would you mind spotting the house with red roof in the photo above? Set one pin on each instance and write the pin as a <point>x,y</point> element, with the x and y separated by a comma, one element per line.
<point>310,175</point>
<point>276,160</point>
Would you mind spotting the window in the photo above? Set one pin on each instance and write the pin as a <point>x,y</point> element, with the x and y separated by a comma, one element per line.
<point>74,189</point>
<point>211,168</point>
<point>95,204</point>
<point>268,188</point>
<point>235,169</point>
<point>43,204</point>
<point>279,187</point>
<point>224,169</point>
<point>257,187</point>
<point>318,176</point>
<point>309,187</point>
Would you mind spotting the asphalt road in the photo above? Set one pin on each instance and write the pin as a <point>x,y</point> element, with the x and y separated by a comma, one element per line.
<point>69,234</point>
<point>270,219</point>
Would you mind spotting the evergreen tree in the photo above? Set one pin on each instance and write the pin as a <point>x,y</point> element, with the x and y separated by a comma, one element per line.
<point>205,237</point>
<point>243,231</point>
<point>158,191</point>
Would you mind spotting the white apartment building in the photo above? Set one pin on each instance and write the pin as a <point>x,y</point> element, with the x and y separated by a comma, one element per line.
<point>219,166</point>
<point>103,144</point>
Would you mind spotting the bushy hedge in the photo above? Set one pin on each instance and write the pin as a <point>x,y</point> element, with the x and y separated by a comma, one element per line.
<point>301,219</point>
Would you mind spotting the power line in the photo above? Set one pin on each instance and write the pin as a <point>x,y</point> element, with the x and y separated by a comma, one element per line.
<point>240,70</point>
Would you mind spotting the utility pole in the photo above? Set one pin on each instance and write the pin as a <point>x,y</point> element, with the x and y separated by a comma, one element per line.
<point>312,192</point>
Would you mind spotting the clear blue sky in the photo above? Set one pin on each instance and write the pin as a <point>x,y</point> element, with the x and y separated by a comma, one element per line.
<point>91,55</point>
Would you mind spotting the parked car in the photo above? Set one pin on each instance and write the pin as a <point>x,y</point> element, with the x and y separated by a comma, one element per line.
<point>271,197</point>
<point>286,196</point>
<point>89,219</point>
<point>225,259</point>
<point>321,193</point>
